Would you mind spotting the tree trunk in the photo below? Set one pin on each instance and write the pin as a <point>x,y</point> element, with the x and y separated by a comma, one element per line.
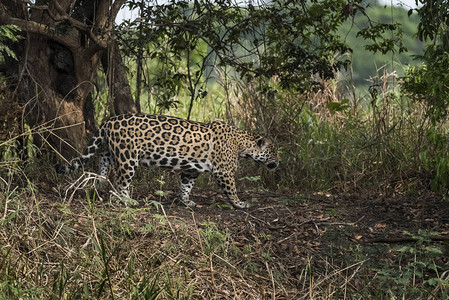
<point>57,67</point>
<point>119,88</point>
<point>63,82</point>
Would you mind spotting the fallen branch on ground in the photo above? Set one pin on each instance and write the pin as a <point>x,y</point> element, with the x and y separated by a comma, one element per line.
<point>437,238</point>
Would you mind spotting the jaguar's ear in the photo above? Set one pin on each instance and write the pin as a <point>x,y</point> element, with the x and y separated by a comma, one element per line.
<point>260,141</point>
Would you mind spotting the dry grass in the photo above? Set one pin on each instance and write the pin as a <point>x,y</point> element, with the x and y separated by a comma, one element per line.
<point>54,249</point>
<point>85,248</point>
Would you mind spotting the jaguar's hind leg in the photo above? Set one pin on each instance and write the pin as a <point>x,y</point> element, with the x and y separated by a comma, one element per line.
<point>124,174</point>
<point>105,163</point>
<point>187,181</point>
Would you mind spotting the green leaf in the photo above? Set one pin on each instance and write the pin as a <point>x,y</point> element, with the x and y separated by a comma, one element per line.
<point>8,32</point>
<point>160,193</point>
<point>338,106</point>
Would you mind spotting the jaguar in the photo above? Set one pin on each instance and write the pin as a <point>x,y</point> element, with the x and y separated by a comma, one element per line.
<point>129,140</point>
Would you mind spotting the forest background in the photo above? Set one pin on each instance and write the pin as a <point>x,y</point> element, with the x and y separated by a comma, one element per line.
<point>354,93</point>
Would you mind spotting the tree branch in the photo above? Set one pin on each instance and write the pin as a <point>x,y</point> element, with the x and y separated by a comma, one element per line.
<point>114,11</point>
<point>63,17</point>
<point>79,25</point>
<point>38,28</point>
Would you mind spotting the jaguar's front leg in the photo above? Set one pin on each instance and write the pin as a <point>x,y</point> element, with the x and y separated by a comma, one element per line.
<point>227,183</point>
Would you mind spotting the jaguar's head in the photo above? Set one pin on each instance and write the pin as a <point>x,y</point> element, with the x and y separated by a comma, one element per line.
<point>266,153</point>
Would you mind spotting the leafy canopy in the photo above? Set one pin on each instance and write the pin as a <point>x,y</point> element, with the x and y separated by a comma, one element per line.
<point>430,83</point>
<point>291,40</point>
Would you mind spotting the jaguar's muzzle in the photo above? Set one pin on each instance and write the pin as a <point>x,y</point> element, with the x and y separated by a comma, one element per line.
<point>272,165</point>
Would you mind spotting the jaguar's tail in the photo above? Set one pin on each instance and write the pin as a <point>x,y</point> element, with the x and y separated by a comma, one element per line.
<point>79,162</point>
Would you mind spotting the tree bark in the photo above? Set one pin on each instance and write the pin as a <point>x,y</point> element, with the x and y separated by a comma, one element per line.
<point>57,67</point>
<point>119,88</point>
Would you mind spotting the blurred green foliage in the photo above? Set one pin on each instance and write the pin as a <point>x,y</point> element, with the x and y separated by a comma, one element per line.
<point>365,64</point>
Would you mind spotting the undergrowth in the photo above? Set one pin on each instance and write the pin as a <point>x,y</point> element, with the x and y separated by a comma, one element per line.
<point>329,142</point>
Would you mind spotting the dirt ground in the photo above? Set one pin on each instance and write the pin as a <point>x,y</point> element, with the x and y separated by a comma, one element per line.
<point>331,227</point>
<point>296,222</point>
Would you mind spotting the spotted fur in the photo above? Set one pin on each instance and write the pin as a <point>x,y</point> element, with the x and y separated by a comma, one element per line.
<point>131,140</point>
